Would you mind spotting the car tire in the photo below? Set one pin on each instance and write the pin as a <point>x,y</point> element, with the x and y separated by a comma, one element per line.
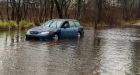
<point>55,37</point>
<point>80,35</point>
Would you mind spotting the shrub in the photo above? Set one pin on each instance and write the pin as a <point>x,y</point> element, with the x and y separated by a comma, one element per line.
<point>13,24</point>
<point>25,24</point>
<point>8,24</point>
<point>1,24</point>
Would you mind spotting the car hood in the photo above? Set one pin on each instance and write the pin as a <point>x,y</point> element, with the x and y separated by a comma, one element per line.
<point>41,29</point>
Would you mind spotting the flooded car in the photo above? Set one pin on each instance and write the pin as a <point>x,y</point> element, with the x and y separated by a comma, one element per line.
<point>56,29</point>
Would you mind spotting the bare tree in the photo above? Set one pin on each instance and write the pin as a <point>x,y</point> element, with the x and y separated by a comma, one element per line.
<point>98,11</point>
<point>52,8</point>
<point>58,8</point>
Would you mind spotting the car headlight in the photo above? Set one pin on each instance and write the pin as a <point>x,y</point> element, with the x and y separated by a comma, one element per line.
<point>44,33</point>
<point>28,32</point>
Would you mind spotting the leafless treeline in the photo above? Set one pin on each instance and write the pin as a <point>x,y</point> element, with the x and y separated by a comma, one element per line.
<point>108,11</point>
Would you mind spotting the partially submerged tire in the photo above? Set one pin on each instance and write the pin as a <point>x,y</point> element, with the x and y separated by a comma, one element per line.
<point>80,35</point>
<point>55,37</point>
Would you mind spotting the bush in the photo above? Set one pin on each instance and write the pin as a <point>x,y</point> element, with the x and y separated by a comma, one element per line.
<point>13,24</point>
<point>1,24</point>
<point>8,24</point>
<point>25,24</point>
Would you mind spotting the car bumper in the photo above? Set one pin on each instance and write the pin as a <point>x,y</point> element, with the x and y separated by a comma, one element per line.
<point>38,36</point>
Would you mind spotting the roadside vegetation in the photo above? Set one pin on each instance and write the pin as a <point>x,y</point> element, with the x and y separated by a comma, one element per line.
<point>13,25</point>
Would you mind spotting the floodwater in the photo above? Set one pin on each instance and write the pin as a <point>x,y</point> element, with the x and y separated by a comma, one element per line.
<point>114,51</point>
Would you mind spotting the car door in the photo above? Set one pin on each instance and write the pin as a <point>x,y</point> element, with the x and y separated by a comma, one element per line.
<point>69,31</point>
<point>74,29</point>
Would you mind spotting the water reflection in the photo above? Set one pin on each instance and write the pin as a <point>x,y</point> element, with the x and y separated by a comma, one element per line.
<point>117,51</point>
<point>111,52</point>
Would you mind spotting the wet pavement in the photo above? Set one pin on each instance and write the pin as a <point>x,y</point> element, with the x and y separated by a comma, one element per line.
<point>113,51</point>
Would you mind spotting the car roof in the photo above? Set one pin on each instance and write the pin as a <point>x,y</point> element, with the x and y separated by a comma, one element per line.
<point>64,20</point>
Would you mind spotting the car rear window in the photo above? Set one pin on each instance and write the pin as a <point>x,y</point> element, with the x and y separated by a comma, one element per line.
<point>77,23</point>
<point>72,24</point>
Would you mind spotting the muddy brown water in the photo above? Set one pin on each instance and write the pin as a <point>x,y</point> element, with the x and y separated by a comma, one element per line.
<point>113,51</point>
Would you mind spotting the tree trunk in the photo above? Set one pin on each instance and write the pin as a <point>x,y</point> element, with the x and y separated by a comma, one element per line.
<point>78,9</point>
<point>7,9</point>
<point>51,10</point>
<point>58,9</point>
<point>98,12</point>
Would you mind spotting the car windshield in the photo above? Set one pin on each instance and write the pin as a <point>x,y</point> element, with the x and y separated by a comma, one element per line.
<point>52,24</point>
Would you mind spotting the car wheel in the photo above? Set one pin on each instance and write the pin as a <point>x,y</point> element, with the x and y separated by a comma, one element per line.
<point>55,37</point>
<point>79,34</point>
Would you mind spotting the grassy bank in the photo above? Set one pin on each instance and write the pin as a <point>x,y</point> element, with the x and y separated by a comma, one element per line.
<point>13,25</point>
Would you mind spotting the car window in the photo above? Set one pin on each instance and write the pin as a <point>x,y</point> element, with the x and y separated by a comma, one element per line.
<point>72,24</point>
<point>59,23</point>
<point>65,25</point>
<point>77,23</point>
<point>56,24</point>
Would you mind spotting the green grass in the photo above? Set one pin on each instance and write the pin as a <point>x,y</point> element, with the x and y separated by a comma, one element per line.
<point>13,24</point>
